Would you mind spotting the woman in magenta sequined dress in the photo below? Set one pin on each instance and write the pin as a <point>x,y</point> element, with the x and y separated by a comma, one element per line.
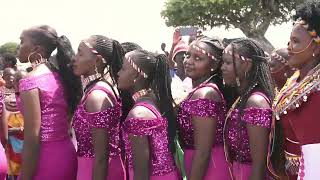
<point>97,118</point>
<point>248,121</point>
<point>48,96</point>
<point>201,115</point>
<point>149,129</point>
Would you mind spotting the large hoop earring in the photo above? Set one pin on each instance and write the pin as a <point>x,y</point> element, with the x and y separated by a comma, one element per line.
<point>32,54</point>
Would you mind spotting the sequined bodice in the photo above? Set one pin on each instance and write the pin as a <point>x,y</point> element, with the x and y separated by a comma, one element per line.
<point>237,137</point>
<point>161,159</point>
<point>83,122</point>
<point>54,123</point>
<point>201,108</point>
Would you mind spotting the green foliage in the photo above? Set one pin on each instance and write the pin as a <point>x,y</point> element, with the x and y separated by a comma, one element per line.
<point>231,13</point>
<point>10,47</point>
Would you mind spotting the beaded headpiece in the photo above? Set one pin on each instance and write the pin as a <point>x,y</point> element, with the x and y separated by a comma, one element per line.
<point>278,57</point>
<point>94,51</point>
<point>137,68</point>
<point>236,55</point>
<point>202,51</point>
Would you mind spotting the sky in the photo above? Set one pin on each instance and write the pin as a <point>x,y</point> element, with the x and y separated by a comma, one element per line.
<point>124,20</point>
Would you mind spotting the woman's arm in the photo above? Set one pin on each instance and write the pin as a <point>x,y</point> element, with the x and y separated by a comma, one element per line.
<point>98,101</point>
<point>4,126</point>
<point>204,135</point>
<point>32,118</point>
<point>258,140</point>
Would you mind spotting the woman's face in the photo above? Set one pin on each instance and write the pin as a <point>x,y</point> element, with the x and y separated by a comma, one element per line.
<point>8,76</point>
<point>84,62</point>
<point>197,64</point>
<point>25,48</point>
<point>301,47</point>
<point>228,67</point>
<point>127,74</point>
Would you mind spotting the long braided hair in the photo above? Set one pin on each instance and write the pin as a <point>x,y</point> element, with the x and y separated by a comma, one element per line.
<point>47,37</point>
<point>159,80</point>
<point>112,51</point>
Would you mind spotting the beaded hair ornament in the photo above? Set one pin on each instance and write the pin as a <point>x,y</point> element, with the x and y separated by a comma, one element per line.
<point>134,65</point>
<point>237,56</point>
<point>94,51</point>
<point>202,51</point>
<point>279,58</point>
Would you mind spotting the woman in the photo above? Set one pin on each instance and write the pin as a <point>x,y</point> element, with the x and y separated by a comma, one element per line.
<point>296,106</point>
<point>201,115</point>
<point>3,138</point>
<point>97,118</point>
<point>248,120</point>
<point>15,123</point>
<point>280,69</point>
<point>48,95</point>
<point>149,129</point>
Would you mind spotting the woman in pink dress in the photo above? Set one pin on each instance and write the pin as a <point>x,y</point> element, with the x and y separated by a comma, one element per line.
<point>248,121</point>
<point>97,118</point>
<point>201,115</point>
<point>296,107</point>
<point>49,94</point>
<point>149,129</point>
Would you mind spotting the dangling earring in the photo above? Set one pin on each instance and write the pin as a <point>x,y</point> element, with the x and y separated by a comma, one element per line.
<point>245,74</point>
<point>285,75</point>
<point>238,81</point>
<point>134,81</point>
<point>211,69</point>
<point>223,82</point>
<point>313,55</point>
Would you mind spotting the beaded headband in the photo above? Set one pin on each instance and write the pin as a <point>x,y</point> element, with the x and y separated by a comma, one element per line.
<point>279,58</point>
<point>238,56</point>
<point>94,51</point>
<point>137,68</point>
<point>202,51</point>
<point>312,32</point>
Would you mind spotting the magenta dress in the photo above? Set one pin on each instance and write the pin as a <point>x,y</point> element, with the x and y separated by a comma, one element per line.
<point>218,167</point>
<point>108,119</point>
<point>237,138</point>
<point>57,155</point>
<point>162,164</point>
<point>3,158</point>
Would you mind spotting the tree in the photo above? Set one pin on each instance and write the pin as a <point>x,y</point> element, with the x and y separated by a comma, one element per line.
<point>10,47</point>
<point>252,17</point>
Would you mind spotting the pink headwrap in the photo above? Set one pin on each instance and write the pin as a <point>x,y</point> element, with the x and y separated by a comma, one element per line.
<point>180,47</point>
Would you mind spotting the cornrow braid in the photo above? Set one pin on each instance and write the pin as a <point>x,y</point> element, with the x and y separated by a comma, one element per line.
<point>112,52</point>
<point>159,80</point>
<point>130,46</point>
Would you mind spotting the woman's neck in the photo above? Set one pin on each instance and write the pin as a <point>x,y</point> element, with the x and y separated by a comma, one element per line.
<point>243,87</point>
<point>306,69</point>
<point>197,82</point>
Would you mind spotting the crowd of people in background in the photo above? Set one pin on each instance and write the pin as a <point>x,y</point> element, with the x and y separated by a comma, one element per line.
<point>208,109</point>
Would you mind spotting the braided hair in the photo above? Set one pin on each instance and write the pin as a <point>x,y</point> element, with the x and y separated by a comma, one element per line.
<point>113,53</point>
<point>259,75</point>
<point>217,50</point>
<point>130,46</point>
<point>46,37</point>
<point>159,80</point>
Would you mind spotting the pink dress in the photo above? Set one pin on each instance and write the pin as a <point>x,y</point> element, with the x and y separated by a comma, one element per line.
<point>162,164</point>
<point>218,167</point>
<point>237,138</point>
<point>108,119</point>
<point>57,155</point>
<point>3,159</point>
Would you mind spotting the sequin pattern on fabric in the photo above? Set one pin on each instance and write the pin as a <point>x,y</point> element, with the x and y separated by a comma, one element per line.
<point>202,108</point>
<point>162,161</point>
<point>83,122</point>
<point>54,123</point>
<point>237,135</point>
